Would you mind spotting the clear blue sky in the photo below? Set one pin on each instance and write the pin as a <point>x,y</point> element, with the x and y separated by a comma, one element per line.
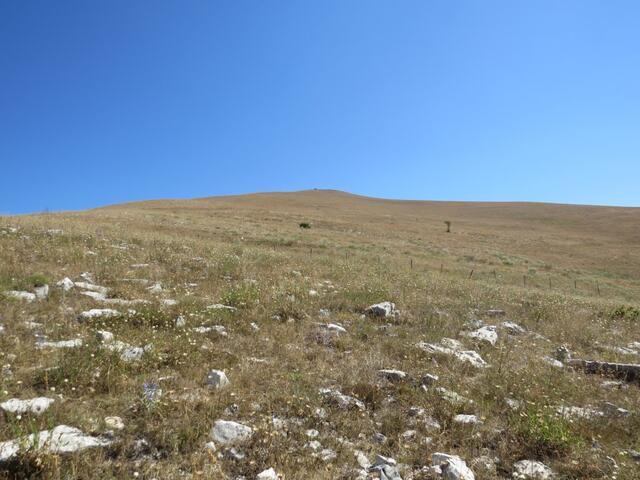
<point>105,102</point>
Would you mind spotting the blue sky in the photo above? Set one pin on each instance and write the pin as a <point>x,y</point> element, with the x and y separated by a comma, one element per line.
<point>105,102</point>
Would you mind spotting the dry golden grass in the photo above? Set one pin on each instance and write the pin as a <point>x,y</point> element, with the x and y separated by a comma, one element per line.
<point>248,251</point>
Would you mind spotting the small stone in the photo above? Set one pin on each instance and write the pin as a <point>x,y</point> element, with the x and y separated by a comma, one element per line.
<point>452,467</point>
<point>217,379</point>
<point>114,423</point>
<point>392,375</point>
<point>269,474</point>
<point>486,334</point>
<point>341,400</point>
<point>229,433</point>
<point>41,292</point>
<point>379,438</point>
<point>512,328</point>
<point>467,419</point>
<point>104,336</point>
<point>383,309</point>
<point>97,313</point>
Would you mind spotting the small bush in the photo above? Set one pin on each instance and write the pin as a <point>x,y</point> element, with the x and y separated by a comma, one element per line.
<point>241,296</point>
<point>625,312</point>
<point>546,434</point>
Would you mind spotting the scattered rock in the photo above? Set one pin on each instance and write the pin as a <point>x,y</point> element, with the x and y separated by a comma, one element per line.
<point>127,352</point>
<point>41,292</point>
<point>35,405</point>
<point>114,423</point>
<point>104,336</point>
<point>553,362</point>
<point>452,467</point>
<point>386,468</point>
<point>76,342</point>
<point>20,295</point>
<point>429,379</point>
<point>333,327</point>
<point>341,400</point>
<point>452,397</point>
<point>392,375</point>
<point>91,287</point>
<point>59,440</point>
<point>626,371</point>
<point>230,433</point>
<point>496,313</point>
<point>512,328</point>
<point>269,474</point>
<point>217,379</point>
<point>467,419</point>
<point>219,306</point>
<point>97,313</point>
<point>486,334</point>
<point>452,347</point>
<point>383,309</point>
<point>531,470</point>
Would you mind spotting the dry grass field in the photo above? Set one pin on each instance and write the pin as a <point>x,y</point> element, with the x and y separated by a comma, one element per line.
<point>234,284</point>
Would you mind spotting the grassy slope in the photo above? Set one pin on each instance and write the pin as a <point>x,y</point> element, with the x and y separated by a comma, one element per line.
<point>248,250</point>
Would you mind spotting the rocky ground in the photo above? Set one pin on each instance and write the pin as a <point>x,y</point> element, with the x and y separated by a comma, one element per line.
<point>136,356</point>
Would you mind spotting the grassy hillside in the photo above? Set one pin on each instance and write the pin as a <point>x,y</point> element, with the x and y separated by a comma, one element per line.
<point>568,275</point>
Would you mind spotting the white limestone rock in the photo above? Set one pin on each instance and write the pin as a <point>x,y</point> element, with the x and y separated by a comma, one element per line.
<point>392,375</point>
<point>219,306</point>
<point>341,400</point>
<point>61,439</point>
<point>512,328</point>
<point>452,467</point>
<point>114,423</point>
<point>21,295</point>
<point>41,292</point>
<point>383,309</point>
<point>216,379</point>
<point>486,334</point>
<point>269,474</point>
<point>128,353</point>
<point>230,433</point>
<point>98,312</point>
<point>76,342</point>
<point>65,284</point>
<point>453,348</point>
<point>467,419</point>
<point>531,470</point>
<point>91,287</point>
<point>35,405</point>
